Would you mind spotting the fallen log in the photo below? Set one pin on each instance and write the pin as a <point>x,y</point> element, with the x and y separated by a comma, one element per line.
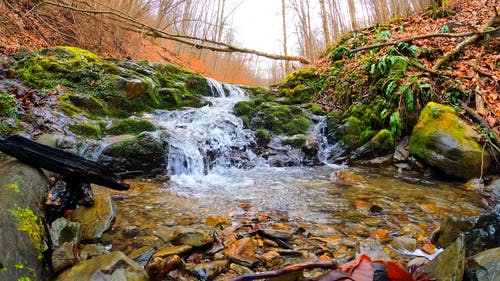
<point>59,161</point>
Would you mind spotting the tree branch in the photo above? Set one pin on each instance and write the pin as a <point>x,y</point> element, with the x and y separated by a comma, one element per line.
<point>422,36</point>
<point>285,270</point>
<point>199,43</point>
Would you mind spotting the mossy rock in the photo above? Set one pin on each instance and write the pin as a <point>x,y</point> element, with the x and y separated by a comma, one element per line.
<point>445,142</point>
<point>130,126</point>
<point>263,137</point>
<point>352,133</point>
<point>299,94</point>
<point>8,105</point>
<point>380,144</point>
<point>89,106</point>
<point>297,141</point>
<point>315,109</point>
<point>299,77</point>
<point>87,129</point>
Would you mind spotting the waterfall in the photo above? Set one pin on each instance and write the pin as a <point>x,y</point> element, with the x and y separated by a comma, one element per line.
<point>207,138</point>
<point>326,150</point>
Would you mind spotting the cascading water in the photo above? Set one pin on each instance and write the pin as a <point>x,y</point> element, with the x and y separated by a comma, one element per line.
<point>207,138</point>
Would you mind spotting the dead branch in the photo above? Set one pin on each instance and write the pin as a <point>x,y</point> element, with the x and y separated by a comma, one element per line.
<point>422,36</point>
<point>465,43</point>
<point>472,114</point>
<point>285,270</point>
<point>199,43</point>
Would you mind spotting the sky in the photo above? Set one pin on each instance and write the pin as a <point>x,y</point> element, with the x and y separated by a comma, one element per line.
<point>258,25</point>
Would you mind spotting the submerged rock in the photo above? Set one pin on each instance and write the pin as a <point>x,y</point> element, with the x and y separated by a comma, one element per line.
<point>191,237</point>
<point>243,251</point>
<point>446,142</point>
<point>208,270</point>
<point>111,267</point>
<point>96,219</point>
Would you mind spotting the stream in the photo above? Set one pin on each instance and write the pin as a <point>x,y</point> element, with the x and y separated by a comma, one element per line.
<point>214,171</point>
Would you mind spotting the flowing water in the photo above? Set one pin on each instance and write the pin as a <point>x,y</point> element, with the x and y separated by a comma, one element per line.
<point>213,171</point>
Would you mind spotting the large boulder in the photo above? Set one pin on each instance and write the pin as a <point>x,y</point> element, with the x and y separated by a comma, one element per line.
<point>23,239</point>
<point>145,152</point>
<point>446,142</point>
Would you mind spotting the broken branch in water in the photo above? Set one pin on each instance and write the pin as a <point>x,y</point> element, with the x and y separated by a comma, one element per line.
<point>285,270</point>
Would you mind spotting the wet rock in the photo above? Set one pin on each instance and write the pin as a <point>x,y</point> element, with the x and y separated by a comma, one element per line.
<point>380,144</point>
<point>373,249</point>
<point>277,233</point>
<point>89,251</point>
<point>401,152</point>
<point>208,270</point>
<point>63,230</point>
<point>484,266</point>
<point>404,243</point>
<point>271,259</point>
<point>159,267</point>
<point>191,237</point>
<point>346,177</point>
<point>451,228</point>
<point>415,231</point>
<point>145,152</point>
<point>378,162</point>
<point>240,269</point>
<point>111,267</point>
<point>494,188</point>
<point>64,257</point>
<point>215,221</point>
<point>450,264</point>
<point>445,142</point>
<point>173,250</point>
<point>96,219</point>
<point>143,255</point>
<point>22,235</point>
<point>243,251</point>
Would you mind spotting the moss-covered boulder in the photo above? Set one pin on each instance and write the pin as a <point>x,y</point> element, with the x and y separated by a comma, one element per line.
<point>94,86</point>
<point>277,118</point>
<point>130,126</point>
<point>23,239</point>
<point>145,152</point>
<point>445,142</point>
<point>380,144</point>
<point>351,133</point>
<point>87,130</point>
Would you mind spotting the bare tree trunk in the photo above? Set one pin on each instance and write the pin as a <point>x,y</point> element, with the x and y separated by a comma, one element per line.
<point>324,20</point>
<point>285,47</point>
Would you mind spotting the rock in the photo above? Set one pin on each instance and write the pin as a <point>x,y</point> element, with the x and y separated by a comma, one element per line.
<point>63,230</point>
<point>64,257</point>
<point>208,270</point>
<point>484,266</point>
<point>494,188</point>
<point>271,259</point>
<point>380,144</point>
<point>89,251</point>
<point>191,237</point>
<point>404,243</point>
<point>239,269</point>
<point>145,152</point>
<point>173,250</point>
<point>450,264</point>
<point>143,255</point>
<point>159,267</point>
<point>277,233</point>
<point>215,221</point>
<point>373,249</point>
<point>242,251</point>
<point>115,266</point>
<point>445,142</point>
<point>96,219</point>
<point>378,162</point>
<point>402,151</point>
<point>346,177</point>
<point>22,235</point>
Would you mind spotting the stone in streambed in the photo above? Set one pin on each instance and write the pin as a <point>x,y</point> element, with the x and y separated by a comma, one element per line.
<point>191,237</point>
<point>159,267</point>
<point>63,257</point>
<point>484,266</point>
<point>114,266</point>
<point>450,264</point>
<point>404,243</point>
<point>242,251</point>
<point>96,219</point>
<point>373,249</point>
<point>208,270</point>
<point>173,250</point>
<point>63,230</point>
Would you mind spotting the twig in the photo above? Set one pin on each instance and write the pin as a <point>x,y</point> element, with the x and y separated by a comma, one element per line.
<point>481,122</point>
<point>285,270</point>
<point>464,43</point>
<point>422,36</point>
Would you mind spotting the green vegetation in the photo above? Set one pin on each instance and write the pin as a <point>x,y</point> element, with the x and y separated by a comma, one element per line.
<point>141,146</point>
<point>31,224</point>
<point>272,116</point>
<point>86,129</point>
<point>8,105</point>
<point>130,126</point>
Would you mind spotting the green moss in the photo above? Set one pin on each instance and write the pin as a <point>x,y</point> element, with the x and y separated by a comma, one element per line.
<point>299,77</point>
<point>8,105</point>
<point>28,222</point>
<point>315,109</point>
<point>382,141</point>
<point>14,187</point>
<point>87,129</point>
<point>142,146</point>
<point>352,133</point>
<point>130,126</point>
<point>263,137</point>
<point>296,142</point>
<point>72,104</point>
